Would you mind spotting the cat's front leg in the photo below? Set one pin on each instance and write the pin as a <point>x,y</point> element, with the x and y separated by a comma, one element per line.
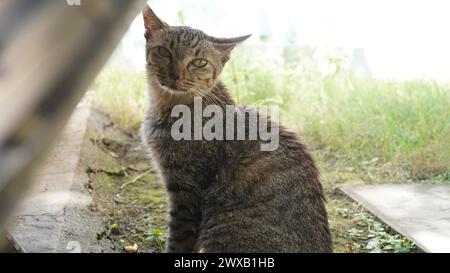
<point>184,221</point>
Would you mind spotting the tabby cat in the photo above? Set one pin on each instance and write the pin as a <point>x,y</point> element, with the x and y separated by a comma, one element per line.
<point>224,195</point>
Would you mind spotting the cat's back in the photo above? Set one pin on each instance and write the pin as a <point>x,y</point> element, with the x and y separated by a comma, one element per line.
<point>267,201</point>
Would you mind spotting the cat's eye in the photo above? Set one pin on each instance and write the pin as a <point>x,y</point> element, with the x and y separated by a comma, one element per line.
<point>163,52</point>
<point>200,63</point>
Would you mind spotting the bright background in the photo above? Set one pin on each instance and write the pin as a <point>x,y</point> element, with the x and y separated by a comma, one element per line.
<point>400,39</point>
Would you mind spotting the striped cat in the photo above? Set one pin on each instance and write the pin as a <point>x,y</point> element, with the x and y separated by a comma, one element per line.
<point>224,195</point>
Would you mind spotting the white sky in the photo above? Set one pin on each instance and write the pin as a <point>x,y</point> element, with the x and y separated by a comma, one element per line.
<point>401,38</point>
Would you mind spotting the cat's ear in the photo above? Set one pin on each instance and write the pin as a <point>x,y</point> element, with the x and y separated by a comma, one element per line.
<point>226,45</point>
<point>151,22</point>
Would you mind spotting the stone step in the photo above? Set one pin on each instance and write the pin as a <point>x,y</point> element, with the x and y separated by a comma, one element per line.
<point>420,212</point>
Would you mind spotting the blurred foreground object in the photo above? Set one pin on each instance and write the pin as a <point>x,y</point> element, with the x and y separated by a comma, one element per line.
<point>50,51</point>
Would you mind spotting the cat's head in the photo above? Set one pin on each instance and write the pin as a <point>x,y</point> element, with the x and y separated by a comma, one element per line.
<point>182,60</point>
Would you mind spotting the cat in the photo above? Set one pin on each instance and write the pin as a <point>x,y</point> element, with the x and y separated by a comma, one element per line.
<point>224,195</point>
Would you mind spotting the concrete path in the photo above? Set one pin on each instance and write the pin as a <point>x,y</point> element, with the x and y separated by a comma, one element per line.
<point>55,215</point>
<point>419,212</point>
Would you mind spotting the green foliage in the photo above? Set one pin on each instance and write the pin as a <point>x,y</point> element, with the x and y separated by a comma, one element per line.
<point>157,236</point>
<point>181,17</point>
<point>372,236</point>
<point>113,228</point>
<point>403,123</point>
<point>121,93</point>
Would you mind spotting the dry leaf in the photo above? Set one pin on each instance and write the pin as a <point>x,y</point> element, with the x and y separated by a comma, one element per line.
<point>132,249</point>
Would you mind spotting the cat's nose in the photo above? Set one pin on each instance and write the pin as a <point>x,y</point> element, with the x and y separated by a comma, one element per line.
<point>177,70</point>
<point>176,80</point>
<point>177,76</point>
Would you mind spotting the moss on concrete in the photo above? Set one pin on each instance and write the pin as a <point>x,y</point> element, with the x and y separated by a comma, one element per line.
<point>125,187</point>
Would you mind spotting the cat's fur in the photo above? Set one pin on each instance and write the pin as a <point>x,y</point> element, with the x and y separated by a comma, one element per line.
<point>225,196</point>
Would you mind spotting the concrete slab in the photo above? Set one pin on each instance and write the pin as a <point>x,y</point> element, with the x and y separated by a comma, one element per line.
<point>55,216</point>
<point>419,212</point>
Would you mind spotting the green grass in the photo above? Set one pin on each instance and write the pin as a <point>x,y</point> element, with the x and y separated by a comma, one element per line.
<point>405,124</point>
<point>360,130</point>
<point>121,93</point>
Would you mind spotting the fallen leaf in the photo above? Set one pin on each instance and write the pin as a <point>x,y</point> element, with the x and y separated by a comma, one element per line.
<point>132,249</point>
